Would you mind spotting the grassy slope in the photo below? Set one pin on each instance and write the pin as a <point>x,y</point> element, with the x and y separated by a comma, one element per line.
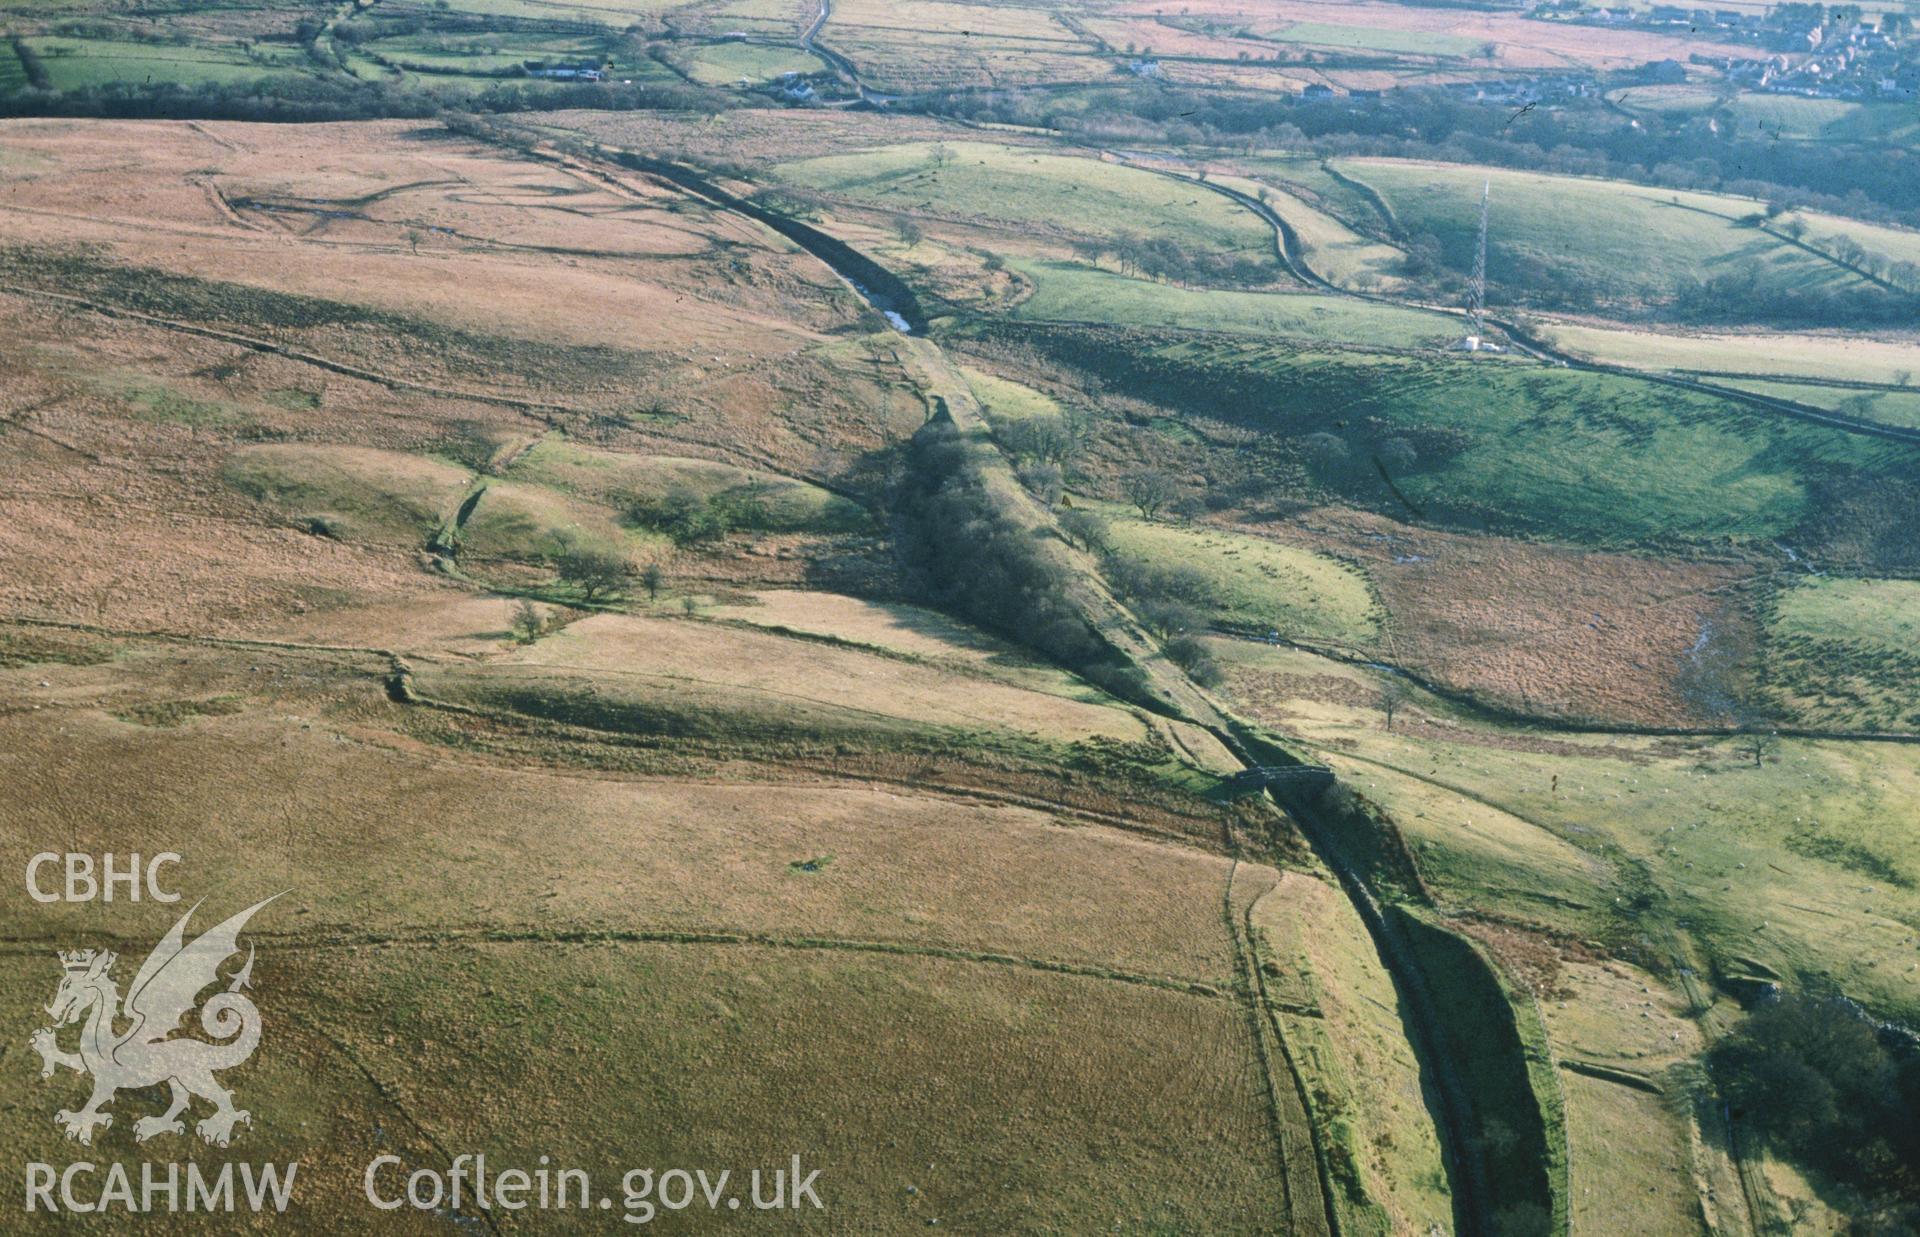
<point>602,1051</point>
<point>1825,120</point>
<point>616,477</point>
<point>1259,584</point>
<point>1070,292</point>
<point>1005,400</point>
<point>1591,457</point>
<point>1631,241</point>
<point>379,496</point>
<point>1887,407</point>
<point>73,64</point>
<point>1028,188</point>
<point>1841,653</point>
<point>1332,250</point>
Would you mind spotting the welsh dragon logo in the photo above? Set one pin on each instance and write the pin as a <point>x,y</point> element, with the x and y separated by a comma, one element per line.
<point>146,1053</point>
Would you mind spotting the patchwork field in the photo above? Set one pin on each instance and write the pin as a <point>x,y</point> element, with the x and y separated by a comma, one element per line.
<point>931,635</point>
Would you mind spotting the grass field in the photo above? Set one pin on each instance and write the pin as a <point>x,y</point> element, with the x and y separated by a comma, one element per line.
<point>1258,584</point>
<point>1342,1022</point>
<point>1330,248</point>
<point>1841,653</point>
<point>616,14</point>
<point>723,64</point>
<point>1069,292</point>
<point>658,675</point>
<point>1023,188</point>
<point>488,53</point>
<point>1646,1184</point>
<point>1005,400</point>
<point>768,502</point>
<point>1374,39</point>
<point>13,74</point>
<point>73,64</point>
<point>1887,407</point>
<point>1863,377</point>
<point>830,963</point>
<point>1840,358</point>
<point>1596,458</point>
<point>1680,99</point>
<point>1792,118</point>
<point>907,630</point>
<point>361,494</point>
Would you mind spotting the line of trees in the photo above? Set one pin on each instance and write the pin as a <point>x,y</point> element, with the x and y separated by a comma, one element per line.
<point>963,552</point>
<point>304,98</point>
<point>1163,258</point>
<point>1173,602</point>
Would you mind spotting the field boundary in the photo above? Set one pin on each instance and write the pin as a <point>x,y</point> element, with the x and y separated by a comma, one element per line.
<point>692,936</point>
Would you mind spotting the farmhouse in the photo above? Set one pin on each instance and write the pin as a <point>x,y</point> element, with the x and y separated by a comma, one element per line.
<point>568,72</point>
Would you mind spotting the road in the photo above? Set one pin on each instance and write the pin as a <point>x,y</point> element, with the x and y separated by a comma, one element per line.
<point>841,65</point>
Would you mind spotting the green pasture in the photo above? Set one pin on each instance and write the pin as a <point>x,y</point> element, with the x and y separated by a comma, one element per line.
<point>1592,457</point>
<point>1071,292</point>
<point>1628,243</point>
<point>1025,188</point>
<point>1256,583</point>
<point>74,64</point>
<point>1845,653</point>
<point>723,64</point>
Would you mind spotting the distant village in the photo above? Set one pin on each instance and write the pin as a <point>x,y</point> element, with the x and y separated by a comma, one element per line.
<point>1820,51</point>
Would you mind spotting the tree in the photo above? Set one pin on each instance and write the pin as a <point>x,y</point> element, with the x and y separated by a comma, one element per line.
<point>1185,651</point>
<point>414,237</point>
<point>1086,529</point>
<point>1167,619</point>
<point>1191,656</point>
<point>1044,482</point>
<point>527,622</point>
<point>1393,694</point>
<point>592,568</point>
<point>1047,438</point>
<point>1758,739</point>
<point>652,577</point>
<point>1150,489</point>
<point>1814,1078</point>
<point>1397,454</point>
<point>1324,451</point>
<point>908,231</point>
<point>1425,259</point>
